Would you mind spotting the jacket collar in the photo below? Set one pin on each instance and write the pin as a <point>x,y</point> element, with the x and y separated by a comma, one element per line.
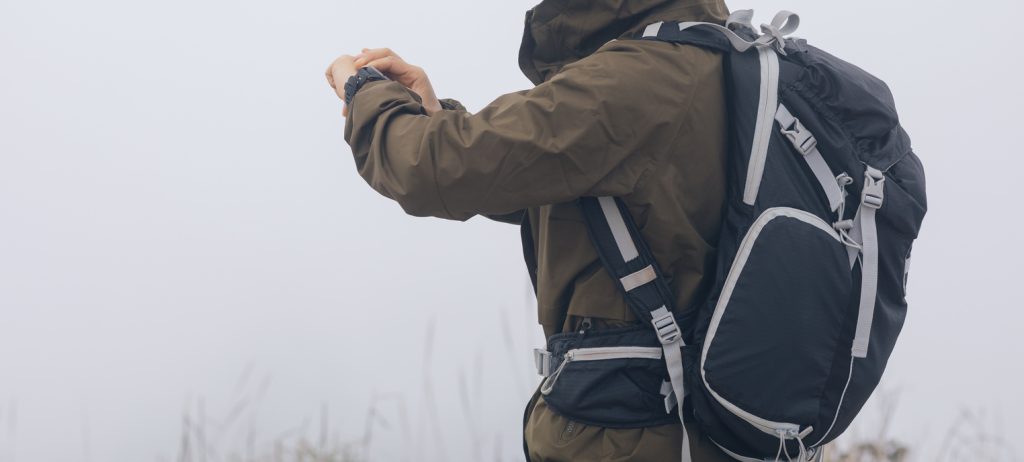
<point>559,32</point>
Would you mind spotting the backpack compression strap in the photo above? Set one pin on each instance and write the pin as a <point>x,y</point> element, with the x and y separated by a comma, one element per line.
<point>627,258</point>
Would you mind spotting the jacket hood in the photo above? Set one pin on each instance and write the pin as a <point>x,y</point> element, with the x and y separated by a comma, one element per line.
<point>559,32</point>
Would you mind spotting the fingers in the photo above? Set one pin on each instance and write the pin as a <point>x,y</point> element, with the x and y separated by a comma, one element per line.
<point>372,54</point>
<point>339,72</point>
<point>330,78</point>
<point>399,70</point>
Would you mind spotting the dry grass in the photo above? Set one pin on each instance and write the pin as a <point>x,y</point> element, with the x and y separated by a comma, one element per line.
<point>203,439</point>
<point>971,438</point>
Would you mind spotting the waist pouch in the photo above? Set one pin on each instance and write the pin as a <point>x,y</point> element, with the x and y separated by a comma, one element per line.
<point>612,378</point>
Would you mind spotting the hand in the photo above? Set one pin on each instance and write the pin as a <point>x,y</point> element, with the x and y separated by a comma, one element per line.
<point>338,73</point>
<point>412,77</point>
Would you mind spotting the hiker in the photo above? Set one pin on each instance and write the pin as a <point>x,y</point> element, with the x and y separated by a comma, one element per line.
<point>717,220</point>
<point>643,121</point>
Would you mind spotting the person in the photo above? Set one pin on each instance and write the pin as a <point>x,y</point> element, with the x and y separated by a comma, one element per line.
<point>641,120</point>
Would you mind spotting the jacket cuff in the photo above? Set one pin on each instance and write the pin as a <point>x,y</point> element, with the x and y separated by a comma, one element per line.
<point>449,104</point>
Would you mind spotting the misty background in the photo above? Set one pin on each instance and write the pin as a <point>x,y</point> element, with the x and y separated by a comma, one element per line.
<point>182,230</point>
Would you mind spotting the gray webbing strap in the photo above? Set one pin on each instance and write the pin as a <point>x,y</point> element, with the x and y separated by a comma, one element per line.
<point>639,278</point>
<point>652,29</point>
<point>670,397</point>
<point>774,34</point>
<point>872,199</point>
<point>805,143</point>
<point>619,230</point>
<point>671,339</point>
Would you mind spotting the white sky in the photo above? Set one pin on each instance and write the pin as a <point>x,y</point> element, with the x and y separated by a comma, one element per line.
<point>177,207</point>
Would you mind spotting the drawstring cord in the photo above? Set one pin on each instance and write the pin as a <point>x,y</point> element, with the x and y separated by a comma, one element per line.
<point>782,443</point>
<point>803,449</point>
<point>804,455</point>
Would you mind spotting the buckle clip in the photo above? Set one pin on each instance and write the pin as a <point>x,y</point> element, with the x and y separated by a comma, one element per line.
<point>801,138</point>
<point>666,327</point>
<point>873,195</point>
<point>542,360</point>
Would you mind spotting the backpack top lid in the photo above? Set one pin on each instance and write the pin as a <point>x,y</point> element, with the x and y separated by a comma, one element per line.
<point>859,102</point>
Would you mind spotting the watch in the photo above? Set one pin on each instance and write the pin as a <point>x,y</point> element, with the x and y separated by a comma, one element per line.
<point>362,77</point>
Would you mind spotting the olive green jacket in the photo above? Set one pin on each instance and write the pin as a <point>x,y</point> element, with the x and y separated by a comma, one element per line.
<point>641,120</point>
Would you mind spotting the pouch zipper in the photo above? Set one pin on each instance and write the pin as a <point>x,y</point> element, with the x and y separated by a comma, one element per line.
<point>605,353</point>
<point>598,354</point>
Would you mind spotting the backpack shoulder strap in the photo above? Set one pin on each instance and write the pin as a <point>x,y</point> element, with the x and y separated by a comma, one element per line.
<point>669,31</point>
<point>627,258</point>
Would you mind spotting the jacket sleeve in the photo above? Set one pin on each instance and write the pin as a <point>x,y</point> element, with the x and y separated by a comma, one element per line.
<point>514,218</point>
<point>590,130</point>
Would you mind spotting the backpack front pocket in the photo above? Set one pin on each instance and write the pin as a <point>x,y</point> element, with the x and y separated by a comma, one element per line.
<point>778,323</point>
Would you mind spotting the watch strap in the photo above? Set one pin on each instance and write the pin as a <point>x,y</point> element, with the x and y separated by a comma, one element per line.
<point>362,77</point>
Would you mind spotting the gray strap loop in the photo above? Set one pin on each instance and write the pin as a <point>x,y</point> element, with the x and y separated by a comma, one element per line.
<point>784,23</point>
<point>639,278</point>
<point>872,198</point>
<point>805,143</point>
<point>743,19</point>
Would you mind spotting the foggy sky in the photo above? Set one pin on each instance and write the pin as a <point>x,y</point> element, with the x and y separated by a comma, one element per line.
<point>181,224</point>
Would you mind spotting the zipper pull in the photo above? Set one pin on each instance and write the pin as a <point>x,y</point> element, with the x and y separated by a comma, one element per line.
<point>549,383</point>
<point>585,325</point>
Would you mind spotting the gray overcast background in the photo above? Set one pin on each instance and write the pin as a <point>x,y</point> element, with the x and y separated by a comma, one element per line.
<point>181,226</point>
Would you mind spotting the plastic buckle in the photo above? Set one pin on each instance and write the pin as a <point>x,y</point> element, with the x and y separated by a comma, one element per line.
<point>666,327</point>
<point>542,360</point>
<point>873,195</point>
<point>801,138</point>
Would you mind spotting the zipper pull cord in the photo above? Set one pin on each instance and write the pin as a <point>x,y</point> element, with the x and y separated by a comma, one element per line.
<point>549,383</point>
<point>804,455</point>
<point>782,444</point>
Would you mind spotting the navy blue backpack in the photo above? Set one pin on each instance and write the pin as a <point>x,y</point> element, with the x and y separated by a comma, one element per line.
<point>825,198</point>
